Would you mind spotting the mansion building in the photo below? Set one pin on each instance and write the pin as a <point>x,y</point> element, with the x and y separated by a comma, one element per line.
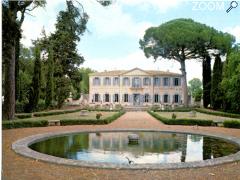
<point>135,87</point>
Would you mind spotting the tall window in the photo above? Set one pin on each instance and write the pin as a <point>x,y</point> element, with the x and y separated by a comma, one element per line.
<point>116,81</point>
<point>156,81</point>
<point>176,81</point>
<point>176,98</point>
<point>107,98</point>
<point>165,98</point>
<point>126,81</point>
<point>156,98</point>
<point>96,97</point>
<point>115,98</point>
<point>96,81</point>
<point>125,99</point>
<point>146,98</point>
<point>146,81</point>
<point>107,81</point>
<point>136,82</point>
<point>166,81</point>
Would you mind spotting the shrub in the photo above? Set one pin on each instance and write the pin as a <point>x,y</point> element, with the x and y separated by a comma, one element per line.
<point>107,120</point>
<point>23,123</point>
<point>218,113</point>
<point>174,116</point>
<point>198,122</point>
<point>232,124</point>
<point>40,114</point>
<point>23,116</point>
<point>20,107</point>
<point>98,115</point>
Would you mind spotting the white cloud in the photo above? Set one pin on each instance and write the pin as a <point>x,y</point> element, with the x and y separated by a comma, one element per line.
<point>137,59</point>
<point>160,6</point>
<point>234,31</point>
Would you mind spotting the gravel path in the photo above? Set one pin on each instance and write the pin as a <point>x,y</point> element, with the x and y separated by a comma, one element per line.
<point>21,168</point>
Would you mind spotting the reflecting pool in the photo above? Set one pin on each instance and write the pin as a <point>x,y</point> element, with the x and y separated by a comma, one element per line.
<point>153,147</point>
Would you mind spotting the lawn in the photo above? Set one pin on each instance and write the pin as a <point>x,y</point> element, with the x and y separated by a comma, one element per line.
<point>75,115</point>
<point>186,115</point>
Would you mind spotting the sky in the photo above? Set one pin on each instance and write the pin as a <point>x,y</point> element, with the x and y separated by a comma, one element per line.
<point>112,39</point>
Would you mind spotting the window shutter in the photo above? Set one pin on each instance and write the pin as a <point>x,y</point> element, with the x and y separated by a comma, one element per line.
<point>104,97</point>
<point>109,97</point>
<point>169,99</point>
<point>179,81</point>
<point>93,98</point>
<point>113,97</point>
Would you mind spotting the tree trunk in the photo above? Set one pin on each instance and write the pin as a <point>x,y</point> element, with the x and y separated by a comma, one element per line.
<point>17,83</point>
<point>9,85</point>
<point>184,83</point>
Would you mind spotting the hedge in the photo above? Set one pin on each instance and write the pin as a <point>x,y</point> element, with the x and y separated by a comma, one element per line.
<point>198,122</point>
<point>218,113</point>
<point>175,110</point>
<point>41,114</point>
<point>10,124</point>
<point>23,116</point>
<point>232,124</point>
<point>107,120</point>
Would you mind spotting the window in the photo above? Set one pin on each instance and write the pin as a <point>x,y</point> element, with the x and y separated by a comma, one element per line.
<point>115,98</point>
<point>156,98</point>
<point>136,82</point>
<point>176,98</point>
<point>166,81</point>
<point>146,98</point>
<point>176,81</point>
<point>96,98</point>
<point>125,99</point>
<point>96,81</point>
<point>107,98</point>
<point>146,81</point>
<point>126,81</point>
<point>165,98</point>
<point>116,81</point>
<point>156,81</point>
<point>107,81</point>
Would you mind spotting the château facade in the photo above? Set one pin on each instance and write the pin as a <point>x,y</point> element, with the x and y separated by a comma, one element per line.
<point>135,87</point>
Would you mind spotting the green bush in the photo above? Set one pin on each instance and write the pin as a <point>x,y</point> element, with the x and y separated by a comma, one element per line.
<point>23,123</point>
<point>107,120</point>
<point>41,114</point>
<point>20,107</point>
<point>232,124</point>
<point>174,116</point>
<point>23,116</point>
<point>198,122</point>
<point>218,113</point>
<point>178,109</point>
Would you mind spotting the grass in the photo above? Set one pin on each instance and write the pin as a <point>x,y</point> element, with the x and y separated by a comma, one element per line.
<point>170,121</point>
<point>185,115</point>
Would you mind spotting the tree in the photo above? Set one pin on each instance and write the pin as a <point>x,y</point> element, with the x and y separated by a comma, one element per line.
<point>196,88</point>
<point>84,84</point>
<point>216,91</point>
<point>207,76</point>
<point>181,40</point>
<point>10,41</point>
<point>50,82</point>
<point>36,82</point>
<point>231,81</point>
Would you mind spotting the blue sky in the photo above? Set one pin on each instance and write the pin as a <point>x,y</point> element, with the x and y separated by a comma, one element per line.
<point>114,31</point>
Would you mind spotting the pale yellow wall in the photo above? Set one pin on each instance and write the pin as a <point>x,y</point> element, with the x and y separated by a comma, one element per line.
<point>151,90</point>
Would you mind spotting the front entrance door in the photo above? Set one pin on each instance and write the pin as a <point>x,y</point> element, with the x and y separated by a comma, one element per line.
<point>136,99</point>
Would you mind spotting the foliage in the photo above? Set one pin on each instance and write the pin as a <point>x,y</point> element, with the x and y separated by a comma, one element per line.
<point>232,124</point>
<point>231,81</point>
<point>84,84</point>
<point>216,91</point>
<point>217,113</point>
<point>207,78</point>
<point>36,83</point>
<point>198,122</point>
<point>24,123</point>
<point>196,88</point>
<point>174,116</point>
<point>98,115</point>
<point>63,85</point>
<point>41,114</point>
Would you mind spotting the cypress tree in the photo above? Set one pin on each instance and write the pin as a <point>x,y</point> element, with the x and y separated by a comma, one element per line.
<point>206,73</point>
<point>216,92</point>
<point>49,84</point>
<point>36,83</point>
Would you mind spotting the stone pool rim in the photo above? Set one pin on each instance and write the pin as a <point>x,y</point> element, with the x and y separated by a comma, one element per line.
<point>21,147</point>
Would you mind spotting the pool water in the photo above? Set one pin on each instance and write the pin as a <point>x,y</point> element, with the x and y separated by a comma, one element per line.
<point>153,147</point>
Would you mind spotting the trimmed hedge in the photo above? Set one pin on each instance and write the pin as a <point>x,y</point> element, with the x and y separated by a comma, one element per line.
<point>41,114</point>
<point>198,122</point>
<point>23,116</point>
<point>107,120</point>
<point>11,124</point>
<point>218,113</point>
<point>175,110</point>
<point>232,124</point>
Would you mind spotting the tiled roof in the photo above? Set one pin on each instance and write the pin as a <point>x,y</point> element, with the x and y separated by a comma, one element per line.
<point>122,72</point>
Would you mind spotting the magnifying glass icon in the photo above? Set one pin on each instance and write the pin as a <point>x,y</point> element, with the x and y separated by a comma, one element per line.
<point>233,4</point>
